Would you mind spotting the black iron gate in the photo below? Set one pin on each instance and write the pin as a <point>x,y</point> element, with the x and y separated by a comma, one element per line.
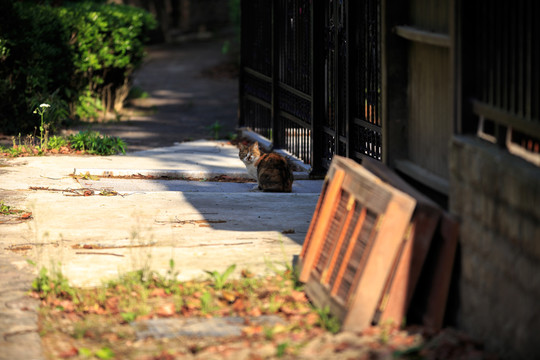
<point>310,79</point>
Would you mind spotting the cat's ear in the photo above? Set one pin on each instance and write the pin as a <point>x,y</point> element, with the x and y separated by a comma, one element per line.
<point>256,145</point>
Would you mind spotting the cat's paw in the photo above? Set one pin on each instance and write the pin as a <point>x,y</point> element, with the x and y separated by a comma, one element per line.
<point>255,188</point>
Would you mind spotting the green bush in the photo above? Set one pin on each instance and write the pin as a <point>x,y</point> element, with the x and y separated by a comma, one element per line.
<point>77,57</point>
<point>35,65</point>
<point>107,47</point>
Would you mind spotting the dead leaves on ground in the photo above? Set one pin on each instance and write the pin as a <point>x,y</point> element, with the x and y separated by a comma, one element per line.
<point>248,297</point>
<point>96,319</point>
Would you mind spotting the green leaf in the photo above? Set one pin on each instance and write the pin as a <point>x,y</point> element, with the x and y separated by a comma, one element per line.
<point>105,353</point>
<point>85,352</point>
<point>128,316</point>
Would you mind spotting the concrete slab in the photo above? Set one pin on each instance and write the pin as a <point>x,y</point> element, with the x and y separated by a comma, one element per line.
<point>200,225</point>
<point>199,327</point>
<point>137,185</point>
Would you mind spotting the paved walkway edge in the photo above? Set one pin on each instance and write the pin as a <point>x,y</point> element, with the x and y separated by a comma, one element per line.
<point>18,311</point>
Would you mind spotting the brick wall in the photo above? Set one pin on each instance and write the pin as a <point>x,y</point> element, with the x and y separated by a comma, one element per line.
<point>497,197</point>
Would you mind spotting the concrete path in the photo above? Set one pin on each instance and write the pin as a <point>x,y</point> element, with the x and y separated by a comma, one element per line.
<point>200,224</point>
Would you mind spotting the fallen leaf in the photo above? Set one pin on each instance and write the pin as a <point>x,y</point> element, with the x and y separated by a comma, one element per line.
<point>158,292</point>
<point>239,305</point>
<point>164,355</point>
<point>230,296</point>
<point>252,330</point>
<point>110,337</point>
<point>67,305</point>
<point>255,312</point>
<point>71,352</point>
<point>112,304</point>
<point>288,309</point>
<point>165,310</point>
<point>144,317</point>
<point>298,296</point>
<point>26,216</point>
<point>311,319</point>
<point>279,329</point>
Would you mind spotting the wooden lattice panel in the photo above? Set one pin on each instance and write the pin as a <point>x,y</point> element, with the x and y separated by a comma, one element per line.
<point>355,236</point>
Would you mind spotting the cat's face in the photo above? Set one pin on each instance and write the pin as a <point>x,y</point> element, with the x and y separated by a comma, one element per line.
<point>249,153</point>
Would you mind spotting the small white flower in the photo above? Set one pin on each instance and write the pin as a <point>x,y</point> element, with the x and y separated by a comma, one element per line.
<point>44,105</point>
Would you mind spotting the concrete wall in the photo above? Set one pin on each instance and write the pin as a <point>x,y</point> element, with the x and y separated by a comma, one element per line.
<point>497,197</point>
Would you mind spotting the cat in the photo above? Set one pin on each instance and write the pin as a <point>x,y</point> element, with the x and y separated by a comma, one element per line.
<point>271,170</point>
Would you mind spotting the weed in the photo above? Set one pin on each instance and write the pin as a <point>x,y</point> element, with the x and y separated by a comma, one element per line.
<point>220,279</point>
<point>137,93</point>
<point>327,321</point>
<point>53,283</point>
<point>215,129</point>
<point>91,142</point>
<point>282,349</point>
<point>103,353</point>
<point>169,281</point>
<point>94,143</point>
<point>269,332</point>
<point>43,127</point>
<point>5,209</point>
<point>57,142</point>
<point>128,316</point>
<point>207,303</point>
<point>232,136</point>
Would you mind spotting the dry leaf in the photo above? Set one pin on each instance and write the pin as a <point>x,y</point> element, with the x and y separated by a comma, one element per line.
<point>166,310</point>
<point>311,319</point>
<point>112,304</point>
<point>71,352</point>
<point>252,330</point>
<point>255,312</point>
<point>158,292</point>
<point>230,296</point>
<point>298,296</point>
<point>67,305</point>
<point>26,216</point>
<point>239,305</point>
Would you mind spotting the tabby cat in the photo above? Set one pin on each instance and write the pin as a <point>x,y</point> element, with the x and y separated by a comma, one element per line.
<point>271,170</point>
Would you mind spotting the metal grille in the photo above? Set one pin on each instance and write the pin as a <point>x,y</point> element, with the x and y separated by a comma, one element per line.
<point>294,50</point>
<point>366,82</point>
<point>317,72</point>
<point>504,40</point>
<point>297,139</point>
<point>277,67</point>
<point>257,36</point>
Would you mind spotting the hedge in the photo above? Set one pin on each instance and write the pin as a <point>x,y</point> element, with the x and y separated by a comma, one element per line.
<point>78,57</point>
